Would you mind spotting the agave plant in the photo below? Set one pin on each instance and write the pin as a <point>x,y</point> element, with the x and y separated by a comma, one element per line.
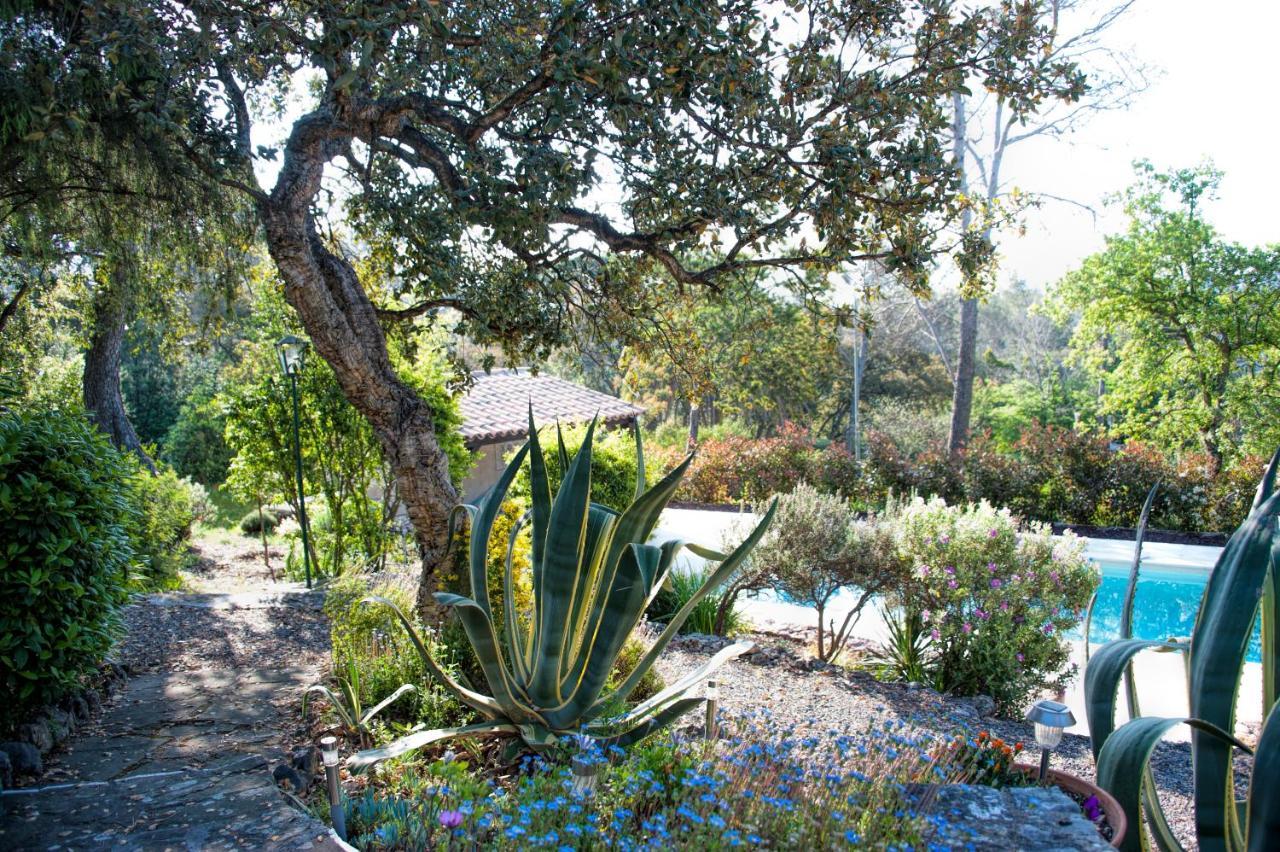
<point>346,702</point>
<point>593,575</point>
<point>1243,586</point>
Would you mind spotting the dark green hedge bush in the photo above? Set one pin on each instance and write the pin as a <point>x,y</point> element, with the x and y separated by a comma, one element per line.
<point>253,523</point>
<point>67,520</point>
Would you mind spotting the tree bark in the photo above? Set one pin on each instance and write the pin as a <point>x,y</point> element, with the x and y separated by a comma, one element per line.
<point>112,304</point>
<point>962,389</point>
<point>343,326</point>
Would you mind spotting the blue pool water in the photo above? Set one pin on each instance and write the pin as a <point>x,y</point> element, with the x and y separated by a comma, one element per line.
<point>1165,604</point>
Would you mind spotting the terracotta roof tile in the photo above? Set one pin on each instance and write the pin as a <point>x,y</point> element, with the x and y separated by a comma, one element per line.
<point>497,406</point>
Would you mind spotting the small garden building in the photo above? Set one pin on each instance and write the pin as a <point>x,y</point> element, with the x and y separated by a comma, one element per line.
<point>495,415</point>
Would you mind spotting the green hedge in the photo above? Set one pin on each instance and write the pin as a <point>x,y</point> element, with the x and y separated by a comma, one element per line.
<point>68,523</point>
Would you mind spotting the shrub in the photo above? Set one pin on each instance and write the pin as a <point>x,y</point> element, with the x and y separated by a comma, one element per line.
<point>818,549</point>
<point>254,522</point>
<point>369,640</point>
<point>66,517</point>
<point>613,468</point>
<point>680,587</point>
<point>995,598</point>
<point>166,511</point>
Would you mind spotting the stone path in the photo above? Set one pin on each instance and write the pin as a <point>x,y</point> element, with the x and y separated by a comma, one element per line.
<point>181,759</point>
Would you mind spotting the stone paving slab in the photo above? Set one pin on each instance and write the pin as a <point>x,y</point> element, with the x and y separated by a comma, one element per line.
<point>180,760</point>
<point>237,807</point>
<point>1015,819</point>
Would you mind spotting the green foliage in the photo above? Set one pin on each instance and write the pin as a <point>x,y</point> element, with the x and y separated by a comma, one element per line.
<point>254,522</point>
<point>613,468</point>
<point>66,523</point>
<point>1180,324</point>
<point>818,550</point>
<point>680,588</point>
<point>196,443</point>
<point>345,703</point>
<point>905,656</point>
<point>166,510</point>
<point>593,575</point>
<point>341,457</point>
<point>994,597</point>
<point>373,655</point>
<point>1241,591</point>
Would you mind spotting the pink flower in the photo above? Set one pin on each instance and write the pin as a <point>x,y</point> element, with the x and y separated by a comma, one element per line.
<point>946,539</point>
<point>1048,629</point>
<point>950,569</point>
<point>934,634</point>
<point>982,614</point>
<point>968,628</point>
<point>991,566</point>
<point>993,533</point>
<point>1020,657</point>
<point>952,584</point>
<point>995,583</point>
<point>1004,606</point>
<point>451,819</point>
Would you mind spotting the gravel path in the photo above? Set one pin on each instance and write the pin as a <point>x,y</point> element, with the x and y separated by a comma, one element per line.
<point>781,681</point>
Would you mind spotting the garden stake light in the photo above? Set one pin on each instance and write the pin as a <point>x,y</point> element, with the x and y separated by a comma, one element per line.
<point>585,773</point>
<point>292,350</point>
<point>1051,718</point>
<point>713,699</point>
<point>329,754</point>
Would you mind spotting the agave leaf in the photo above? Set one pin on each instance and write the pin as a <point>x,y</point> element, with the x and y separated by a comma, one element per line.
<point>1123,770</point>
<point>483,703</point>
<point>565,536</point>
<point>1130,592</point>
<point>1219,644</point>
<point>1263,819</point>
<point>707,553</point>
<point>1102,680</point>
<point>363,760</point>
<point>538,737</point>
<point>1269,612</point>
<point>517,637</point>
<point>562,452</point>
<point>688,681</point>
<point>338,706</point>
<point>600,521</point>
<point>540,513</point>
<point>623,605</point>
<point>722,573</point>
<point>484,641</point>
<point>482,526</point>
<point>385,703</point>
<point>641,479</point>
<point>1088,624</point>
<point>654,723</point>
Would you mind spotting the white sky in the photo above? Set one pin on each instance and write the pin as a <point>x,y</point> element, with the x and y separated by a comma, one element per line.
<point>1213,96</point>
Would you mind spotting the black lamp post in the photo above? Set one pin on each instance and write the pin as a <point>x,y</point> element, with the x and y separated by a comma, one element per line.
<point>292,351</point>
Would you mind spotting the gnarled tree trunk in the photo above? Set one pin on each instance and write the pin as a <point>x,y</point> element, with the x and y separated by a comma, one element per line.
<point>343,326</point>
<point>101,380</point>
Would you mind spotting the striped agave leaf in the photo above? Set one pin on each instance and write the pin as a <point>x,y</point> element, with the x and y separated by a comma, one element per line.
<point>1241,588</point>
<point>593,573</point>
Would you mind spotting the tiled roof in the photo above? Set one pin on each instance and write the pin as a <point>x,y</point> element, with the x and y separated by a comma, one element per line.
<point>497,406</point>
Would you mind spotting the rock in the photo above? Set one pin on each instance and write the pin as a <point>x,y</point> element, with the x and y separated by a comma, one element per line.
<point>288,779</point>
<point>6,770</point>
<point>983,705</point>
<point>93,701</point>
<point>22,758</point>
<point>77,707</point>
<point>306,762</point>
<point>914,686</point>
<point>61,725</point>
<point>36,734</point>
<point>1017,818</point>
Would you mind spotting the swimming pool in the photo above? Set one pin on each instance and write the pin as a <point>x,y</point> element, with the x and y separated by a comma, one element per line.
<point>1165,604</point>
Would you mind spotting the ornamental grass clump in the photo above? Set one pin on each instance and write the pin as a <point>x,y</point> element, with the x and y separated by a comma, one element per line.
<point>593,574</point>
<point>764,785</point>
<point>993,599</point>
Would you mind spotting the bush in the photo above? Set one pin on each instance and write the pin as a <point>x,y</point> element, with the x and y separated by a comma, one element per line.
<point>613,467</point>
<point>817,549</point>
<point>254,522</point>
<point>676,592</point>
<point>994,598</point>
<point>371,639</point>
<point>166,511</point>
<point>196,445</point>
<point>66,517</point>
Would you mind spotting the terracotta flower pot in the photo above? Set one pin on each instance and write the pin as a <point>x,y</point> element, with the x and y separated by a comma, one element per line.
<point>1072,784</point>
